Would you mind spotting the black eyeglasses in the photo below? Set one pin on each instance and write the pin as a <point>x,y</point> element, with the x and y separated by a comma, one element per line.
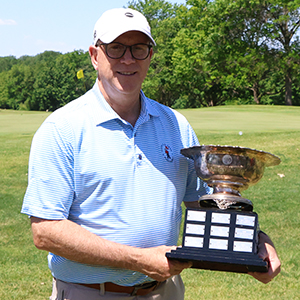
<point>117,50</point>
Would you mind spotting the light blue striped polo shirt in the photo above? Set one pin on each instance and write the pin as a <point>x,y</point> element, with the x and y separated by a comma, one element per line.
<point>123,183</point>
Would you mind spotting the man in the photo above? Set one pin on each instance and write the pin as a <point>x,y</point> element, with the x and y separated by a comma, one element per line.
<point>106,179</point>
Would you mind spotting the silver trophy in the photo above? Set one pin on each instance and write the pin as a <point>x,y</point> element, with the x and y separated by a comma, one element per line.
<point>223,234</point>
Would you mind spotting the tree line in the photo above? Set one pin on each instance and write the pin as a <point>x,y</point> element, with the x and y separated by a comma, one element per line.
<point>208,53</point>
<point>43,82</point>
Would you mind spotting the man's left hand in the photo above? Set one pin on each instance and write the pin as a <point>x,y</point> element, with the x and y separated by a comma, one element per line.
<point>267,252</point>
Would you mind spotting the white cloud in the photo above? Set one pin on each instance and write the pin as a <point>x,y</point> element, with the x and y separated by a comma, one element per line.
<point>8,22</point>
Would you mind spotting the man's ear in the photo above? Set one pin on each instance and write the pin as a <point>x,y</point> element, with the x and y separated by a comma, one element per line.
<point>151,53</point>
<point>94,56</point>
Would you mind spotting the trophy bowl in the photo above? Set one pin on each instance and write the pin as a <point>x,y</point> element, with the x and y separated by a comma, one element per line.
<point>229,170</point>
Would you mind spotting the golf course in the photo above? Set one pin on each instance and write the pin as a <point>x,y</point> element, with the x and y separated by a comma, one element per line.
<point>24,274</point>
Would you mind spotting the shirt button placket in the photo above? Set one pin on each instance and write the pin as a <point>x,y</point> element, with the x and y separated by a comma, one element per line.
<point>138,154</point>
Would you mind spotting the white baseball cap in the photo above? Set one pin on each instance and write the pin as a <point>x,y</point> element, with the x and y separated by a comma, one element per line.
<point>117,21</point>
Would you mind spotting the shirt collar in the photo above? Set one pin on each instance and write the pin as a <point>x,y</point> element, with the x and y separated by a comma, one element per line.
<point>103,112</point>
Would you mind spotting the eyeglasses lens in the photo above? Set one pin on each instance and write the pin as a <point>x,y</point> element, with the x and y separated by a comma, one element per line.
<point>138,51</point>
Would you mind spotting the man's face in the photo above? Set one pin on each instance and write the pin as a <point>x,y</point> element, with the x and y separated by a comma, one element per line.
<point>125,75</point>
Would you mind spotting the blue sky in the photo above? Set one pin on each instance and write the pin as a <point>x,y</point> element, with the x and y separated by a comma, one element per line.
<point>29,27</point>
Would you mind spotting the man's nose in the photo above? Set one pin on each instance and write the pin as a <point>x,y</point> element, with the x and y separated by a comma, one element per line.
<point>127,57</point>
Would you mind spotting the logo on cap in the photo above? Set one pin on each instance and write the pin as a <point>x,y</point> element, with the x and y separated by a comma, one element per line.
<point>129,14</point>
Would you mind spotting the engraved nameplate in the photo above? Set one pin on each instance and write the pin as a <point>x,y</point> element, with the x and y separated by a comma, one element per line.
<point>242,246</point>
<point>241,233</point>
<point>218,244</point>
<point>191,241</point>
<point>194,229</point>
<point>193,215</point>
<point>245,220</point>
<point>220,218</point>
<point>219,231</point>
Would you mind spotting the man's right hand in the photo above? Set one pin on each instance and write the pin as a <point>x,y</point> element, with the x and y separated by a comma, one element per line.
<point>156,265</point>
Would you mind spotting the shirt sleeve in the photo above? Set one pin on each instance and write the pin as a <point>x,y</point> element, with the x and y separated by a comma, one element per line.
<point>196,187</point>
<point>50,189</point>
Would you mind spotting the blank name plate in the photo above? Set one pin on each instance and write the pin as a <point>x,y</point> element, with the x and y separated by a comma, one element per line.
<point>218,244</point>
<point>220,218</point>
<point>245,220</point>
<point>241,233</point>
<point>242,246</point>
<point>219,231</point>
<point>191,241</point>
<point>198,216</point>
<point>197,229</point>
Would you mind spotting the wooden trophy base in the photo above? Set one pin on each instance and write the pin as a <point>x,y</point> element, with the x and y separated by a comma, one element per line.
<point>221,240</point>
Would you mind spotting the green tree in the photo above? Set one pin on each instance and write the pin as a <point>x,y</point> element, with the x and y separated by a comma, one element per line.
<point>195,75</point>
<point>208,53</point>
<point>7,62</point>
<point>56,83</point>
<point>159,83</point>
<point>281,21</point>
<point>249,62</point>
<point>18,87</point>
<point>68,85</point>
<point>3,90</point>
<point>45,88</point>
<point>241,46</point>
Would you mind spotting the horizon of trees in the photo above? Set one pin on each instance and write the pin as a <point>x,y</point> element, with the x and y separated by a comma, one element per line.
<point>208,53</point>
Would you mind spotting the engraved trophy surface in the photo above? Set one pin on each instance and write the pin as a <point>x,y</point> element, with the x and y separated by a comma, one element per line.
<point>223,233</point>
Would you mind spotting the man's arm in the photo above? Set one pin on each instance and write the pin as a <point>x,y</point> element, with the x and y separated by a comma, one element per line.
<point>266,251</point>
<point>67,239</point>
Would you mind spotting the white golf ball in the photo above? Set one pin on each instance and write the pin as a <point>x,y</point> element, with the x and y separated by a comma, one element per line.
<point>241,133</point>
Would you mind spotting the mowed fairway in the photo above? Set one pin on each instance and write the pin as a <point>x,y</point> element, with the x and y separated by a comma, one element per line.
<point>23,269</point>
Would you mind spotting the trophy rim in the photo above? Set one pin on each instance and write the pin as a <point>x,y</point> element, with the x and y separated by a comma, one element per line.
<point>267,158</point>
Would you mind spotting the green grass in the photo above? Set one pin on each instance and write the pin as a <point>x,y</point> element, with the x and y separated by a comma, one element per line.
<point>24,273</point>
<point>245,118</point>
<point>275,199</point>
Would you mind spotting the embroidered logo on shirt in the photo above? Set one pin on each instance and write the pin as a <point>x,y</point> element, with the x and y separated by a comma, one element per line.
<point>167,152</point>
